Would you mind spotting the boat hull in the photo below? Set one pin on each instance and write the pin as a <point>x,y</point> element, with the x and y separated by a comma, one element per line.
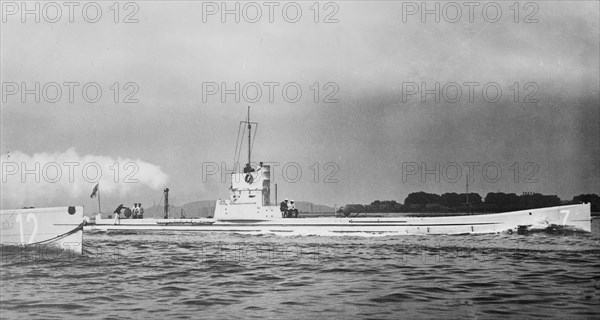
<point>576,217</point>
<point>60,227</point>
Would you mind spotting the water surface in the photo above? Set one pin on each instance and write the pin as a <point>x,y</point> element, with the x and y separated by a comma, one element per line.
<point>225,275</point>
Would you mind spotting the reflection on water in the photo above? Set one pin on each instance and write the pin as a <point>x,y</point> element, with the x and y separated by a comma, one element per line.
<point>222,275</point>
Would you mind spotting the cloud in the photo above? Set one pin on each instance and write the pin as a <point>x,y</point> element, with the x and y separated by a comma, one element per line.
<point>56,178</point>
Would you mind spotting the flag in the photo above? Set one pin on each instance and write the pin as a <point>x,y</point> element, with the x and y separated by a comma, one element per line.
<point>94,191</point>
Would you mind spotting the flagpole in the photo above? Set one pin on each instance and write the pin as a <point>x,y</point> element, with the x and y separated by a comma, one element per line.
<point>99,211</point>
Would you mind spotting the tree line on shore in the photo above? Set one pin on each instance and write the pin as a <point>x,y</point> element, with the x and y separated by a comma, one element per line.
<point>456,203</point>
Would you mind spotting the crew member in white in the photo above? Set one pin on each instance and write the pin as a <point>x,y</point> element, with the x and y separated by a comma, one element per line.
<point>292,209</point>
<point>135,211</point>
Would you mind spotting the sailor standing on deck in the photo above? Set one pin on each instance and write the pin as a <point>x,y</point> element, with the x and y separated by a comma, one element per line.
<point>140,211</point>
<point>283,206</point>
<point>293,212</point>
<point>135,211</point>
<point>117,214</point>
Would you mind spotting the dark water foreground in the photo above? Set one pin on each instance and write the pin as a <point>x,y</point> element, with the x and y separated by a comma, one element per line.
<point>220,275</point>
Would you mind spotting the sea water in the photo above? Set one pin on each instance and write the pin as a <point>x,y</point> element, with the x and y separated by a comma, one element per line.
<point>198,275</point>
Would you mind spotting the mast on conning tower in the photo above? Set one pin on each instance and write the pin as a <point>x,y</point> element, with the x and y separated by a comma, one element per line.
<point>239,147</point>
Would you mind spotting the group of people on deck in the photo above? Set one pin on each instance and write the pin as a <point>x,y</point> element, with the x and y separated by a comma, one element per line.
<point>288,209</point>
<point>137,212</point>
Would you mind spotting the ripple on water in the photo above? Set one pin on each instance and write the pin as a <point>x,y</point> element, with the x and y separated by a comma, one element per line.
<point>188,275</point>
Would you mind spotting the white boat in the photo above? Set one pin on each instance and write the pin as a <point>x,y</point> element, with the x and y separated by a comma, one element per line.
<point>59,227</point>
<point>249,209</point>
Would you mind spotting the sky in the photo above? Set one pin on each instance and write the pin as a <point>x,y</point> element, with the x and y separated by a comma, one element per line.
<point>360,118</point>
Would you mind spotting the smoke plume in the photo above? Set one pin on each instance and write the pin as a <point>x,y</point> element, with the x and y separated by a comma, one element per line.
<point>47,179</point>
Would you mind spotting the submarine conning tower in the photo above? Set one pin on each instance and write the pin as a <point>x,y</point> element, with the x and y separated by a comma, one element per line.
<point>249,196</point>
<point>252,186</point>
